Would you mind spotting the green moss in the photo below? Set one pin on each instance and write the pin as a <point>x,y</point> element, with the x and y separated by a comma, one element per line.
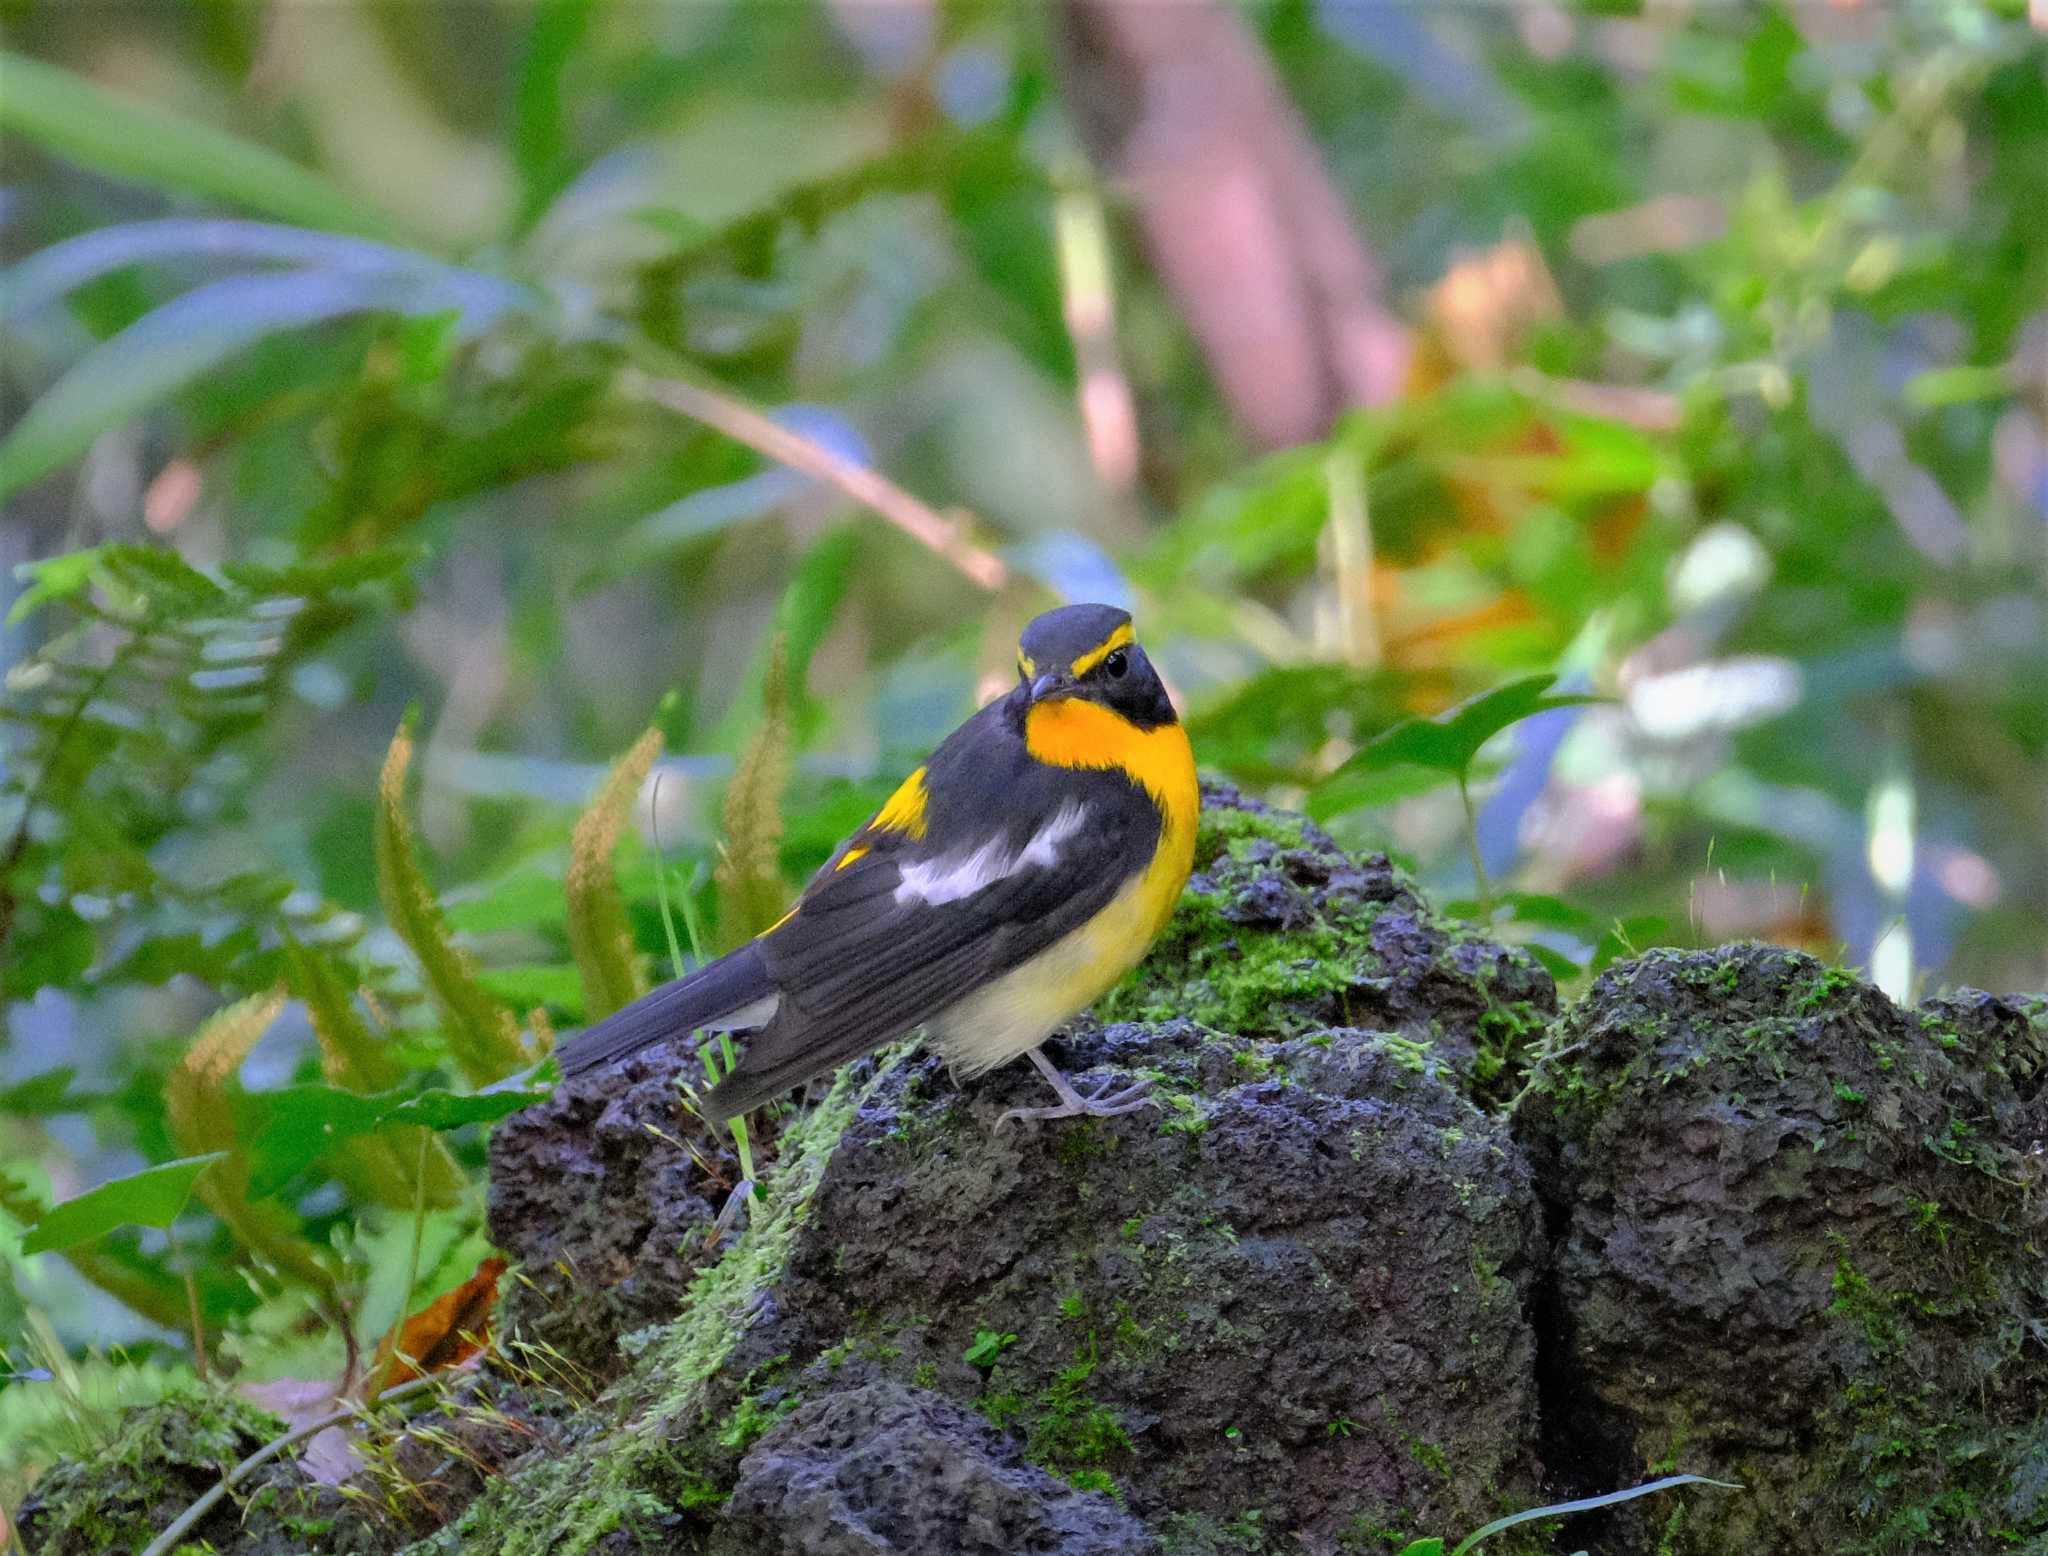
<point>1228,976</point>
<point>160,1458</point>
<point>630,1479</point>
<point>1233,831</point>
<point>1833,981</point>
<point>1067,1428</point>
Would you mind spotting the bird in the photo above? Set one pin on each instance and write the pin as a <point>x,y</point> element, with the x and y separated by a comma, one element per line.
<point>1006,884</point>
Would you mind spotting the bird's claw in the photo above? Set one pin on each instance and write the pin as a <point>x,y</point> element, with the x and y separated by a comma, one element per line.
<point>1100,1103</point>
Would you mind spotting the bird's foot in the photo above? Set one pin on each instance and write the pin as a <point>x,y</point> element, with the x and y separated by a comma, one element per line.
<point>1100,1103</point>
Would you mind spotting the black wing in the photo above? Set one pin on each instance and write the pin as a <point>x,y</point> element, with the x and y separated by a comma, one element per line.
<point>860,963</point>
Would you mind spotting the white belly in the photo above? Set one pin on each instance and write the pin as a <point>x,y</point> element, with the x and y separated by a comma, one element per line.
<point>1019,1010</point>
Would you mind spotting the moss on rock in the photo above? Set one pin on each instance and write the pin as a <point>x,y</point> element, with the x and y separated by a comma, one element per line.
<point>162,1458</point>
<point>1281,933</point>
<point>1802,1248</point>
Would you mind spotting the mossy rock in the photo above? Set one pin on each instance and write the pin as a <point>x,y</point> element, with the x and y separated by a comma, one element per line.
<point>601,1195</point>
<point>1286,1307</point>
<point>1282,933</point>
<point>1804,1247</point>
<point>163,1457</point>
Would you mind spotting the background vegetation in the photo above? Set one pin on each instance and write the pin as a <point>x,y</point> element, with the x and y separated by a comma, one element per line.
<point>366,358</point>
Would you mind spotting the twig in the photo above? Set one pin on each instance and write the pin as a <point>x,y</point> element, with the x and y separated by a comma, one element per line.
<point>166,1542</point>
<point>916,518</point>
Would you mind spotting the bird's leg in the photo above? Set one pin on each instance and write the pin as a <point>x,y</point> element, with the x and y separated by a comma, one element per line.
<point>1102,1104</point>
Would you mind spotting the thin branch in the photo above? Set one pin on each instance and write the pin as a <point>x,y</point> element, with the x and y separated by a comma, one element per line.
<point>166,1542</point>
<point>923,523</point>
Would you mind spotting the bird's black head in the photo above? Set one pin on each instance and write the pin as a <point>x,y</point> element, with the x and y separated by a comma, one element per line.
<point>1088,651</point>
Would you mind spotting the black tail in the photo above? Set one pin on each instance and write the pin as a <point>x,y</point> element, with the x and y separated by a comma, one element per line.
<point>675,1009</point>
<point>758,1078</point>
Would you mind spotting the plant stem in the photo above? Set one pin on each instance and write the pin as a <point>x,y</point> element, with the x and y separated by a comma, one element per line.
<point>198,1328</point>
<point>1481,887</point>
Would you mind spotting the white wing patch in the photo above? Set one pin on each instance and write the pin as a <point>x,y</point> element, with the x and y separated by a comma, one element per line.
<point>757,1013</point>
<point>949,879</point>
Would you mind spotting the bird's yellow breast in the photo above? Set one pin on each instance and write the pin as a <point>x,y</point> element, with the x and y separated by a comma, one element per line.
<point>1019,1010</point>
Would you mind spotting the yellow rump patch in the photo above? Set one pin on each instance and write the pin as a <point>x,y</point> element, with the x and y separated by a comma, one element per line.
<point>1122,637</point>
<point>905,809</point>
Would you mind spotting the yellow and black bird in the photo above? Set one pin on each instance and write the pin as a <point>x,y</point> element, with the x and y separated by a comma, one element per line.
<point>1008,882</point>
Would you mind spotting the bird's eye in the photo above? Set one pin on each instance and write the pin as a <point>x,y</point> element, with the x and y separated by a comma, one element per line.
<point>1116,664</point>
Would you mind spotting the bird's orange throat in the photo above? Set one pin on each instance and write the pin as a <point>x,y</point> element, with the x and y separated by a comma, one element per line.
<point>1073,732</point>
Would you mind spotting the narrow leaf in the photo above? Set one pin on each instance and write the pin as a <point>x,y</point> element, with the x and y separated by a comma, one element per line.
<point>751,892</point>
<point>1587,1505</point>
<point>167,349</point>
<point>598,932</point>
<point>482,1035</point>
<point>156,1196</point>
<point>51,274</point>
<point>88,124</point>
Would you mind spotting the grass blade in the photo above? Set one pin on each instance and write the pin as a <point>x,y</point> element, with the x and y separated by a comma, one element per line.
<point>83,121</point>
<point>167,349</point>
<point>1587,1505</point>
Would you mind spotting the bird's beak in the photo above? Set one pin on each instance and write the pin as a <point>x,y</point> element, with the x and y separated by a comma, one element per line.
<point>1051,684</point>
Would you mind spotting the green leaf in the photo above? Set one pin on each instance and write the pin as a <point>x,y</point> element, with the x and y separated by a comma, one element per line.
<point>291,1128</point>
<point>987,1349</point>
<point>1556,963</point>
<point>86,123</point>
<point>13,1324</point>
<point>538,136</point>
<point>156,1196</point>
<point>164,351</point>
<point>51,947</point>
<point>49,1092</point>
<point>1354,789</point>
<point>53,578</point>
<point>1431,1546</point>
<point>1584,1505</point>
<point>1448,741</point>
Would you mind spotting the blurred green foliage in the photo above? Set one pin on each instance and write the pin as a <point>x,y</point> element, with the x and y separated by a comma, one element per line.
<point>326,335</point>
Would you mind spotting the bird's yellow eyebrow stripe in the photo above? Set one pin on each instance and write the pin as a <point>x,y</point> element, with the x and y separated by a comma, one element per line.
<point>904,811</point>
<point>1026,666</point>
<point>1101,651</point>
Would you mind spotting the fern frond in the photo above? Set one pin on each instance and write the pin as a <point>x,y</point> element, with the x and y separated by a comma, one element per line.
<point>482,1035</point>
<point>751,891</point>
<point>199,1106</point>
<point>383,1165</point>
<point>598,933</point>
